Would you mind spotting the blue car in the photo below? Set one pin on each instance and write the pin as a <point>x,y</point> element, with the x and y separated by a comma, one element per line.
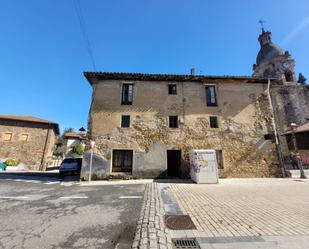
<point>2,167</point>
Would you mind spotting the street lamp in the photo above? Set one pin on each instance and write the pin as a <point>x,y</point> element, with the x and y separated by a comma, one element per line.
<point>82,130</point>
<point>300,165</point>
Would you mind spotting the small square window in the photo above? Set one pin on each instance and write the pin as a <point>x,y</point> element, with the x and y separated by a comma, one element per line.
<point>125,121</point>
<point>23,137</point>
<point>173,121</point>
<point>172,89</point>
<point>213,122</point>
<point>7,136</point>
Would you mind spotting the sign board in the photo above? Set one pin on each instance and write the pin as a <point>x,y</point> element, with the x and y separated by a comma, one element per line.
<point>92,144</point>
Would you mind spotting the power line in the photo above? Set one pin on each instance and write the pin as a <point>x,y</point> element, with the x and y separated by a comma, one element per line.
<point>82,25</point>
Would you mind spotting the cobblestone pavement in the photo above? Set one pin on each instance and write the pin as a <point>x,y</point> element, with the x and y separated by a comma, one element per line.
<point>151,231</point>
<point>246,213</point>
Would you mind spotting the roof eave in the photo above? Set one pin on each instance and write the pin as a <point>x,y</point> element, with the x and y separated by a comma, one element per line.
<point>90,76</point>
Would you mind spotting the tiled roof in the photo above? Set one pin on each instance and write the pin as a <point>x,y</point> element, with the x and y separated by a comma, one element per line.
<point>75,135</point>
<point>29,119</point>
<point>169,77</point>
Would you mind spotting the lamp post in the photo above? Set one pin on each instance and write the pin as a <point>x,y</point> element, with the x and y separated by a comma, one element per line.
<point>92,143</point>
<point>300,165</point>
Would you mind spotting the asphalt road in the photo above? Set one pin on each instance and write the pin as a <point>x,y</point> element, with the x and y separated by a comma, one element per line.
<point>44,213</point>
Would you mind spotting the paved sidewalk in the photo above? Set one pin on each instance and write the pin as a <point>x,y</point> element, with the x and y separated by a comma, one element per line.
<point>245,213</point>
<point>151,232</point>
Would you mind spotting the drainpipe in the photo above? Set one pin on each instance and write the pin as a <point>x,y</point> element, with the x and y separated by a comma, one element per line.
<point>183,102</point>
<point>274,125</point>
<point>44,150</point>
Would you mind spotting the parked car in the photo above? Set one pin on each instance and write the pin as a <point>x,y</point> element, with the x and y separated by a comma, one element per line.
<point>2,167</point>
<point>70,166</point>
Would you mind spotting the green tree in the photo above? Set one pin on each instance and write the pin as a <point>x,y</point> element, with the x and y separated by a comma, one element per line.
<point>79,149</point>
<point>70,129</point>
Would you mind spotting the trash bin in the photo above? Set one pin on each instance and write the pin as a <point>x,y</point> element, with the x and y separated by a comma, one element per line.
<point>204,166</point>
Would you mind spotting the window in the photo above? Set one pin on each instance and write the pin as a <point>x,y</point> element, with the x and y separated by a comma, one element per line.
<point>172,89</point>
<point>122,160</point>
<point>219,159</point>
<point>213,122</point>
<point>125,121</point>
<point>127,94</point>
<point>173,121</point>
<point>211,96</point>
<point>7,136</point>
<point>23,137</point>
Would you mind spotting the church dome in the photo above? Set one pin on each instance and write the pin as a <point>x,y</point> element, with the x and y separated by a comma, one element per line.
<point>268,52</point>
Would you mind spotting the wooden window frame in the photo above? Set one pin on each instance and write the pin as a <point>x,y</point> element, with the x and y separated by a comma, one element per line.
<point>122,121</point>
<point>213,120</point>
<point>210,97</point>
<point>127,99</point>
<point>170,121</point>
<point>112,160</point>
<point>219,153</point>
<point>172,89</point>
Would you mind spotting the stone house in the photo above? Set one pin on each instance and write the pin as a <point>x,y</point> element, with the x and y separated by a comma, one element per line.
<point>29,139</point>
<point>145,124</point>
<point>72,139</point>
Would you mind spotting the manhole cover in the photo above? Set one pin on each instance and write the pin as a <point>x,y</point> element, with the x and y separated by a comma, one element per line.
<point>185,243</point>
<point>179,222</point>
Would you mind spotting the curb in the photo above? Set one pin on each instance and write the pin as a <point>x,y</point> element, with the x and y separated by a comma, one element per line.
<point>39,174</point>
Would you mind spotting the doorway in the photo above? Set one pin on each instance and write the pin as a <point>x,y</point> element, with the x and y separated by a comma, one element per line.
<point>173,162</point>
<point>122,160</point>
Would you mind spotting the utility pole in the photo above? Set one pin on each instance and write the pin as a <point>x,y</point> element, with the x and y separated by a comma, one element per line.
<point>92,143</point>
<point>277,141</point>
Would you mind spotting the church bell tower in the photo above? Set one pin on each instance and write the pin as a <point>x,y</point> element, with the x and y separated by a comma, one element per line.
<point>272,62</point>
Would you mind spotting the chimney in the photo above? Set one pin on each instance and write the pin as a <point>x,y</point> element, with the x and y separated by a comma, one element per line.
<point>192,71</point>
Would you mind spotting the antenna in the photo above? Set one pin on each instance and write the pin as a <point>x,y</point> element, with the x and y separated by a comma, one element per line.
<point>261,22</point>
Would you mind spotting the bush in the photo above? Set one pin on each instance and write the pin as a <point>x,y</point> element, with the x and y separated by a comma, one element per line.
<point>12,162</point>
<point>79,149</point>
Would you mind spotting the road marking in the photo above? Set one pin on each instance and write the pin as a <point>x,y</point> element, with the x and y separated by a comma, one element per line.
<point>14,197</point>
<point>73,197</point>
<point>48,183</point>
<point>130,197</point>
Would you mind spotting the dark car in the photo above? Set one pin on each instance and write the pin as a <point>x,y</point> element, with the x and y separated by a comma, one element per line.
<point>70,166</point>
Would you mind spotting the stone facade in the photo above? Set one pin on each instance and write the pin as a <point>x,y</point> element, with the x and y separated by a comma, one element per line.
<point>250,111</point>
<point>291,105</point>
<point>243,114</point>
<point>35,148</point>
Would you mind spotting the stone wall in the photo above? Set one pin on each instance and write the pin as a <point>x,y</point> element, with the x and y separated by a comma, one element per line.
<point>291,105</point>
<point>243,113</point>
<point>31,151</point>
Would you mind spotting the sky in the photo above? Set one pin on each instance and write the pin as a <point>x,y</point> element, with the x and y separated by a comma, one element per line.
<point>43,52</point>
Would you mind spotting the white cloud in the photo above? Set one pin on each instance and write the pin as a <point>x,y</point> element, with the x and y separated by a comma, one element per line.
<point>304,24</point>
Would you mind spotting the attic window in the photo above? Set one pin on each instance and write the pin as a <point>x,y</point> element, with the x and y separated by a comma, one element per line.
<point>7,136</point>
<point>23,137</point>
